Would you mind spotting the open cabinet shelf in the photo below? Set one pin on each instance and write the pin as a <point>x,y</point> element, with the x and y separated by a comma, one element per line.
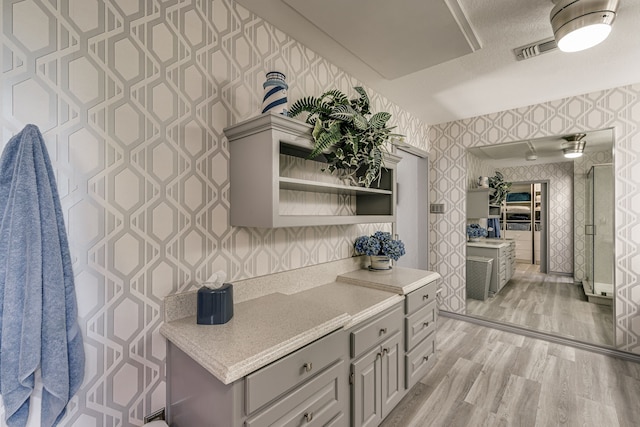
<point>274,184</point>
<point>478,204</point>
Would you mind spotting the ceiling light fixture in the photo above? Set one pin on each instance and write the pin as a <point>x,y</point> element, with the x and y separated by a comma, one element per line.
<point>574,147</point>
<point>532,154</point>
<point>581,24</point>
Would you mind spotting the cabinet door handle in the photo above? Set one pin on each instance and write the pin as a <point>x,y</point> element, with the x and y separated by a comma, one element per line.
<point>425,358</point>
<point>383,331</point>
<point>308,416</point>
<point>385,351</point>
<point>308,366</point>
<point>378,355</point>
<point>425,296</point>
<point>426,324</point>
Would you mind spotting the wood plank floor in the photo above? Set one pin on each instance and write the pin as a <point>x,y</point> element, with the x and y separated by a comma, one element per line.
<point>487,377</point>
<point>547,303</point>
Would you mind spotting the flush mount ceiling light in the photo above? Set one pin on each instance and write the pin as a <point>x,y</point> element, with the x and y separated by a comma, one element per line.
<point>574,145</point>
<point>581,24</point>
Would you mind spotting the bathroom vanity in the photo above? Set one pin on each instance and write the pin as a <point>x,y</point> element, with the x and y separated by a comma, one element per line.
<point>337,354</point>
<point>503,253</point>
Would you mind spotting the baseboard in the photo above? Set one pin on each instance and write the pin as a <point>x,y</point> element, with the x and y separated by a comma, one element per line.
<point>560,273</point>
<point>595,298</point>
<point>607,351</point>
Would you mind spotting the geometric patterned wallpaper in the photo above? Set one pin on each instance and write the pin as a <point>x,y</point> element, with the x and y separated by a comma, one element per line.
<point>476,167</point>
<point>560,178</point>
<point>617,108</point>
<point>132,98</point>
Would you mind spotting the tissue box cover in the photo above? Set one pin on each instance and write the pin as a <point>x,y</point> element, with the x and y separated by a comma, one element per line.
<point>215,306</point>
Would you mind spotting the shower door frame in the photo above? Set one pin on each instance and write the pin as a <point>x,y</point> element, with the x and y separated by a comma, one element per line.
<point>591,230</point>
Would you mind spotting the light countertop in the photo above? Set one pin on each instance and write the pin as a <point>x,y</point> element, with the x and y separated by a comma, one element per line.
<point>490,243</point>
<point>398,280</point>
<point>267,328</point>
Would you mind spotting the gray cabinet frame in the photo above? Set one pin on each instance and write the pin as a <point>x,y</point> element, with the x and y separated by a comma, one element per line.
<point>255,146</point>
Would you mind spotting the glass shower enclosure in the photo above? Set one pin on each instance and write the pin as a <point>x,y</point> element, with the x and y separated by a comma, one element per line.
<point>599,231</point>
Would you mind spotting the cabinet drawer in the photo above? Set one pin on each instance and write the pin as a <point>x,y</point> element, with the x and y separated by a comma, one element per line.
<point>420,324</point>
<point>271,381</point>
<point>376,330</point>
<point>420,297</point>
<point>419,360</point>
<point>321,401</point>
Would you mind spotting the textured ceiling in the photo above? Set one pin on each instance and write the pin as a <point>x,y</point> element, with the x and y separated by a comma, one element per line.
<point>489,79</point>
<point>548,150</point>
<point>406,23</point>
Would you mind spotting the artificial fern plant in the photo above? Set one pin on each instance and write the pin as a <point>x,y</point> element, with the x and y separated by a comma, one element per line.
<point>500,186</point>
<point>352,142</point>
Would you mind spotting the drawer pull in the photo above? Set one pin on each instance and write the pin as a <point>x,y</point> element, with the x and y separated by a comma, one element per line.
<point>383,331</point>
<point>425,296</point>
<point>425,358</point>
<point>426,324</point>
<point>308,416</point>
<point>308,366</point>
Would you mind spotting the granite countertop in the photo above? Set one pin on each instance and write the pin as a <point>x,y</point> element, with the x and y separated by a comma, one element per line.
<point>269,327</point>
<point>261,331</point>
<point>358,302</point>
<point>398,280</point>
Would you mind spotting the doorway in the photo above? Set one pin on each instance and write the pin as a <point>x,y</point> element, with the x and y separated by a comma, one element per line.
<point>412,216</point>
<point>524,215</point>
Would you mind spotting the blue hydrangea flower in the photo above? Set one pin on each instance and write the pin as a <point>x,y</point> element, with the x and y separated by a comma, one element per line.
<point>394,249</point>
<point>380,243</point>
<point>366,245</point>
<point>474,231</point>
<point>382,236</point>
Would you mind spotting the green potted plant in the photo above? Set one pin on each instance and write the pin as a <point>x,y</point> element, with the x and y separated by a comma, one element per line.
<point>344,130</point>
<point>501,188</point>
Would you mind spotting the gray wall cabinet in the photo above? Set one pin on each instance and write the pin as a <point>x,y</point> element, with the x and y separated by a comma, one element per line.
<point>478,205</point>
<point>257,183</point>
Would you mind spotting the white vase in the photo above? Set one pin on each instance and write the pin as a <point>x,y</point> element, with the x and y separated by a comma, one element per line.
<point>380,262</point>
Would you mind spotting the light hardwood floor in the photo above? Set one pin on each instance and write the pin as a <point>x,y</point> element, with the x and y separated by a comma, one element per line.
<point>547,303</point>
<point>486,377</point>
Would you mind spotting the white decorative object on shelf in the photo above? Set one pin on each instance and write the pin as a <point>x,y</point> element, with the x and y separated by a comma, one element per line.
<point>275,93</point>
<point>380,262</point>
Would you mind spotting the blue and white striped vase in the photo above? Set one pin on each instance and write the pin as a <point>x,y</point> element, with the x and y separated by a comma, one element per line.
<point>275,93</point>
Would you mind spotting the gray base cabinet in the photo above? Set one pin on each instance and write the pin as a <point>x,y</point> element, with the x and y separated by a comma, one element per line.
<point>503,263</point>
<point>378,383</point>
<point>354,377</point>
<point>420,327</point>
<point>377,367</point>
<point>308,387</point>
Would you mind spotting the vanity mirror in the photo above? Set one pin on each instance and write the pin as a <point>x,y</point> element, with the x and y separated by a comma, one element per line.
<point>561,212</point>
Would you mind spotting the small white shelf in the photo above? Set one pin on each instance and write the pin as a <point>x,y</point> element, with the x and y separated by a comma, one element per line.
<point>257,184</point>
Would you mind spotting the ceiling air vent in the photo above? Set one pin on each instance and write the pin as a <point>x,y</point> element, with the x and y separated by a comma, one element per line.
<point>535,49</point>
